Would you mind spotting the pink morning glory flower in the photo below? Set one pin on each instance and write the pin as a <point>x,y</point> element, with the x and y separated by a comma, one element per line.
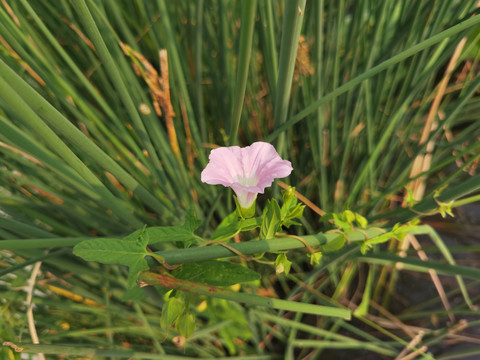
<point>248,170</point>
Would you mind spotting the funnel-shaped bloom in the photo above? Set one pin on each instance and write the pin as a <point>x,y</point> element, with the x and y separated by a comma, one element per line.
<point>248,171</point>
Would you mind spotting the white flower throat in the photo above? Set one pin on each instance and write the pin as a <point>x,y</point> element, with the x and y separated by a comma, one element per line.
<point>247,180</point>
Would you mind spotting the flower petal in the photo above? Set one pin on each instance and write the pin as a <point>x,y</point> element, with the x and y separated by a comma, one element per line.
<point>225,163</point>
<point>263,160</point>
<point>248,171</point>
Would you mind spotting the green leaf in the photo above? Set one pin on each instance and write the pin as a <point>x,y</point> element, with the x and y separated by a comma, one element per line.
<point>361,221</point>
<point>289,201</point>
<point>326,217</point>
<point>183,233</point>
<point>271,220</point>
<point>315,258</point>
<point>185,324</point>
<point>290,208</point>
<point>169,234</point>
<point>220,310</point>
<point>445,208</point>
<point>282,264</point>
<point>409,199</point>
<point>191,222</point>
<point>335,244</point>
<point>110,251</point>
<point>171,311</point>
<point>218,273</point>
<point>362,309</point>
<point>228,228</point>
<point>129,251</point>
<point>134,236</point>
<point>398,232</point>
<point>349,216</point>
<point>137,265</point>
<point>134,294</point>
<point>250,224</point>
<point>341,223</point>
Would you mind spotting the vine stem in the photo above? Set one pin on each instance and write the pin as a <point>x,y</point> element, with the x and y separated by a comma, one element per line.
<point>148,278</point>
<point>202,253</point>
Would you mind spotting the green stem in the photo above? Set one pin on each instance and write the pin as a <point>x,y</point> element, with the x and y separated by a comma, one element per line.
<point>93,352</point>
<point>180,256</point>
<point>113,69</point>
<point>373,71</point>
<point>198,69</point>
<point>246,40</point>
<point>292,26</point>
<point>13,90</point>
<point>40,243</point>
<point>341,345</point>
<point>466,201</point>
<point>402,215</point>
<point>415,264</point>
<point>150,278</point>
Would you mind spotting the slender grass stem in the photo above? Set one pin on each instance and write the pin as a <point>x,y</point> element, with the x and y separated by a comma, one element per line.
<point>375,70</point>
<point>292,26</point>
<point>246,38</point>
<point>149,278</point>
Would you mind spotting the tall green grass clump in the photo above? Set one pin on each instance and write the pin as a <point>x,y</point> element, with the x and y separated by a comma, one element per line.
<point>108,113</point>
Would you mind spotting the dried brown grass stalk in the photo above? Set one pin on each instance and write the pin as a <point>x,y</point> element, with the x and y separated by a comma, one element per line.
<point>159,87</point>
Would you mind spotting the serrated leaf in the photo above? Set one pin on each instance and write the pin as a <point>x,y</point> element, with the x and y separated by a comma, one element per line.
<point>218,273</point>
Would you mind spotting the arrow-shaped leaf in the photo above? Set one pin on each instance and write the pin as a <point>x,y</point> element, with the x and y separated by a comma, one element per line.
<point>182,233</point>
<point>125,251</point>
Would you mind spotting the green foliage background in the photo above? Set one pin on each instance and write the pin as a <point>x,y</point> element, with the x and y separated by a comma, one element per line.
<point>343,89</point>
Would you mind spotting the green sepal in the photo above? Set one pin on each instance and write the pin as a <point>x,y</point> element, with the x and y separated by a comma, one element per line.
<point>361,221</point>
<point>185,324</point>
<point>282,264</point>
<point>171,311</point>
<point>315,257</point>
<point>245,213</point>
